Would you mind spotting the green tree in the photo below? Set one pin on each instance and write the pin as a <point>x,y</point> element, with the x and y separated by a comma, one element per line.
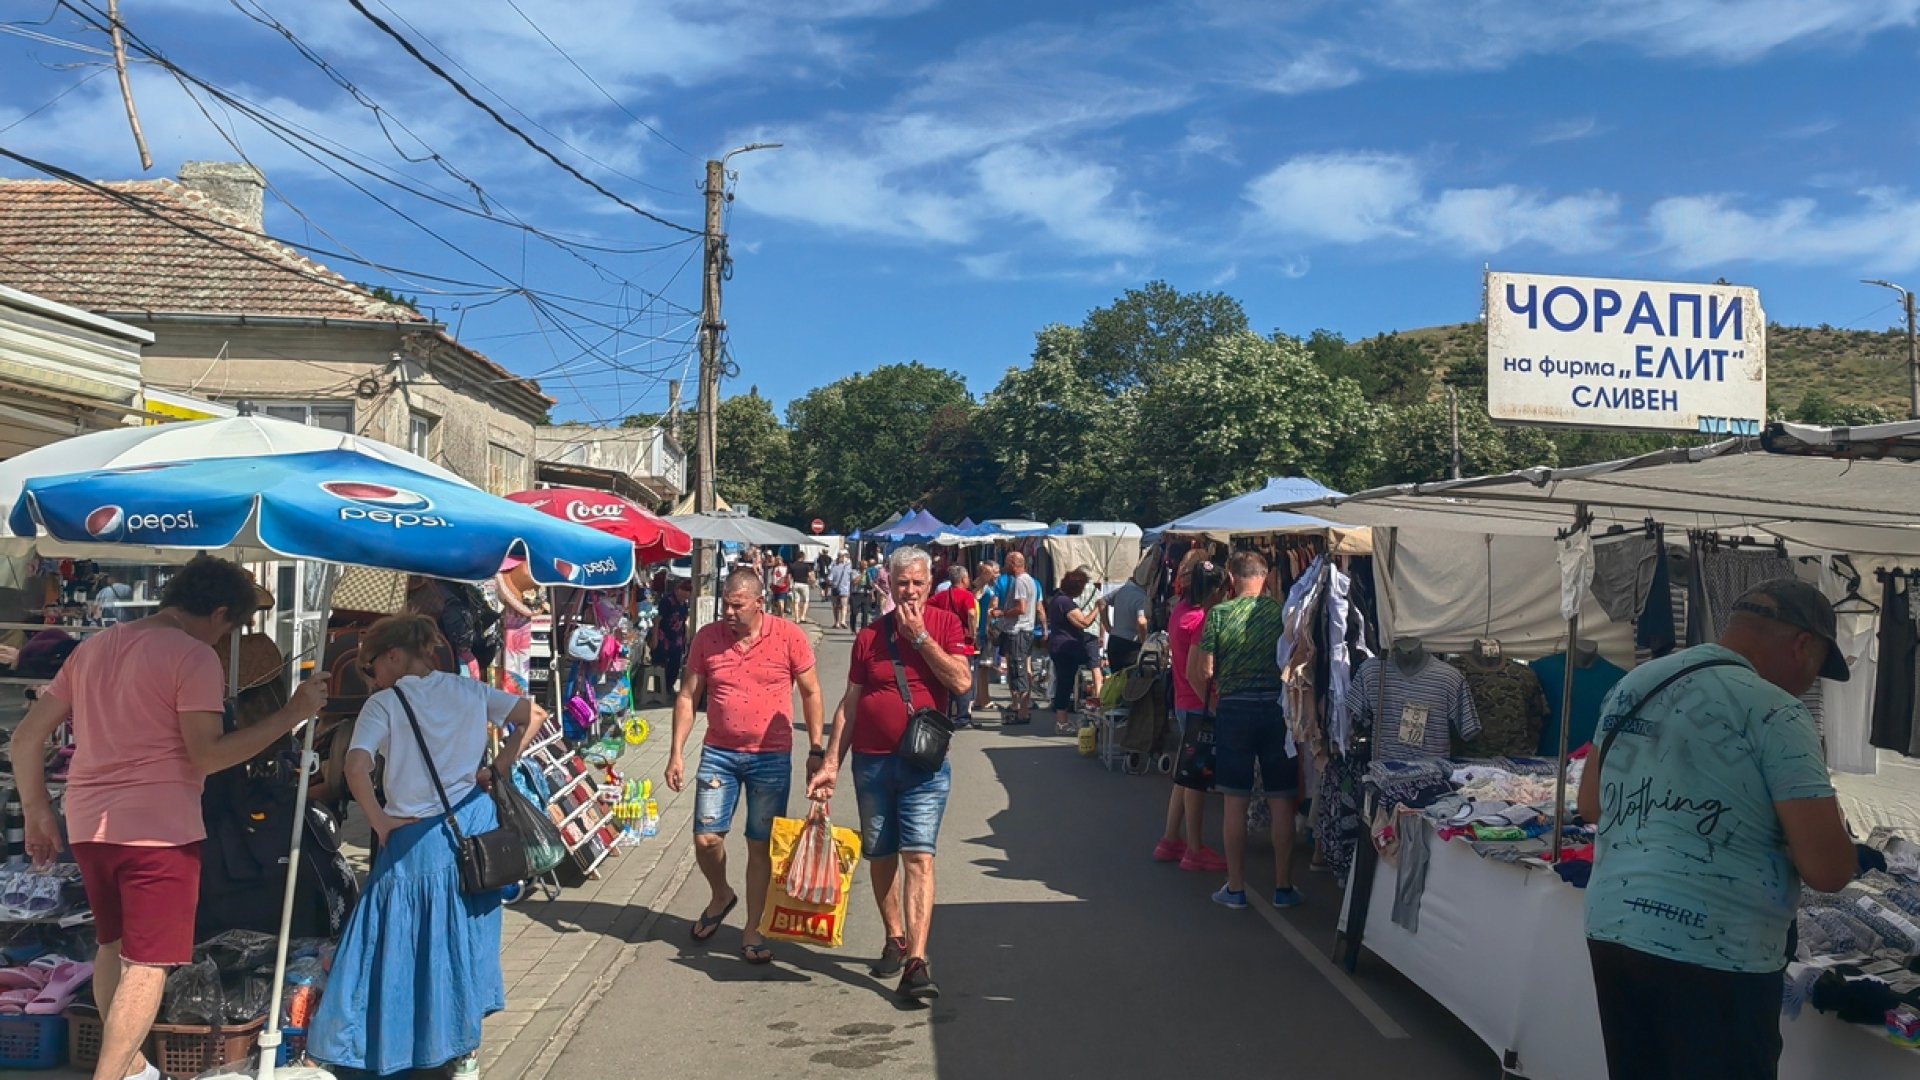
<point>861,442</point>
<point>1819,406</point>
<point>962,463</point>
<point>1246,408</point>
<point>753,459</point>
<point>1125,343</point>
<point>1417,443</point>
<point>1049,427</point>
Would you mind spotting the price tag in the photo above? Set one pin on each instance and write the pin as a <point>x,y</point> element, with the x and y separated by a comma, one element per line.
<point>1413,725</point>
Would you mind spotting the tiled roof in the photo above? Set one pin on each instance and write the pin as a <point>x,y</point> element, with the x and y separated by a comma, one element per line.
<point>91,250</point>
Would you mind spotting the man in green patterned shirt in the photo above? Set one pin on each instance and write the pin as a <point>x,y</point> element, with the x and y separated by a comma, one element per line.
<point>1235,668</point>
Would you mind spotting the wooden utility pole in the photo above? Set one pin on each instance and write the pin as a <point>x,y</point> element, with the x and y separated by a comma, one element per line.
<point>1453,415</point>
<point>711,327</point>
<point>1913,363</point>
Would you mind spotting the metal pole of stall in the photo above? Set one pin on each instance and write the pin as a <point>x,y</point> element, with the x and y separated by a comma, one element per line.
<point>1580,521</point>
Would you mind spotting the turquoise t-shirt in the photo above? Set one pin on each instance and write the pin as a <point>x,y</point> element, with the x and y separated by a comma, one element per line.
<point>1691,863</point>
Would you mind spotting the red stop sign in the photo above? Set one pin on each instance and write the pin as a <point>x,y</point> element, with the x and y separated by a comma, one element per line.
<point>819,526</point>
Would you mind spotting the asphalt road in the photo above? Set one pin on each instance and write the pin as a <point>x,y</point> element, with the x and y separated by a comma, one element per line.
<point>1062,949</point>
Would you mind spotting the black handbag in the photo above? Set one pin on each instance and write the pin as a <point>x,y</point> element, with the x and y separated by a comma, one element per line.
<point>929,731</point>
<point>488,862</point>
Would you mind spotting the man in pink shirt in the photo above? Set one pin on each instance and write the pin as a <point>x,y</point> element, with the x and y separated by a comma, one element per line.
<point>145,698</point>
<point>748,665</point>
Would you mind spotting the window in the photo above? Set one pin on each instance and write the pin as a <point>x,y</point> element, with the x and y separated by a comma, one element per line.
<point>334,416</point>
<point>506,470</point>
<point>420,435</point>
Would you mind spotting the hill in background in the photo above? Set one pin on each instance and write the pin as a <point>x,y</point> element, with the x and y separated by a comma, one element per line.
<point>1857,368</point>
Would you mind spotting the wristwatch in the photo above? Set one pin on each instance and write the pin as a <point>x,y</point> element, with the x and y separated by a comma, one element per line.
<point>818,751</point>
<point>922,639</point>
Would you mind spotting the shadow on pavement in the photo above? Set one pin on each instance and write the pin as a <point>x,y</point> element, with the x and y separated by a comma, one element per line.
<point>1125,968</point>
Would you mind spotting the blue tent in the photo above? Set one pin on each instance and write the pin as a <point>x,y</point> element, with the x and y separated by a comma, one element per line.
<point>1242,515</point>
<point>918,527</point>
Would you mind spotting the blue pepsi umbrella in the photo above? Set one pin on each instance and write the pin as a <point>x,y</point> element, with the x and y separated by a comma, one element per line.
<point>335,505</point>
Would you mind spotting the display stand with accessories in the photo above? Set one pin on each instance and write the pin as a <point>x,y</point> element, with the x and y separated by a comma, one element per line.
<point>573,799</point>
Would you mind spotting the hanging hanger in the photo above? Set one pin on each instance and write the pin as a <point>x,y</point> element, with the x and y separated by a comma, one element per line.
<point>1860,605</point>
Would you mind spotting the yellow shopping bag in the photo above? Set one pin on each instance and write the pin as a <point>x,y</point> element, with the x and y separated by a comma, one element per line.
<point>788,919</point>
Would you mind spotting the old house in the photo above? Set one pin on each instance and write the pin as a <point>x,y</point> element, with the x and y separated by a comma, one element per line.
<point>236,316</point>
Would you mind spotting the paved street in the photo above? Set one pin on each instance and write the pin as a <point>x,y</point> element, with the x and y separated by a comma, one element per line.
<point>1062,949</point>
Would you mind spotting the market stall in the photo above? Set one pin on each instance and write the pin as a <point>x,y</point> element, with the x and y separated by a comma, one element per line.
<point>1502,559</point>
<point>261,489</point>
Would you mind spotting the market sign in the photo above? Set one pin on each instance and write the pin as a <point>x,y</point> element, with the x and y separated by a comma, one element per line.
<point>1647,355</point>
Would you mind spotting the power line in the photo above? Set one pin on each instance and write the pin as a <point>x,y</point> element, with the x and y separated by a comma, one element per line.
<point>596,83</point>
<point>505,123</point>
<point>56,100</point>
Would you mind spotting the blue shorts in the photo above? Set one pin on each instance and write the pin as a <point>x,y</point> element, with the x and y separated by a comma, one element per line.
<point>900,806</point>
<point>766,776</point>
<point>1248,730</point>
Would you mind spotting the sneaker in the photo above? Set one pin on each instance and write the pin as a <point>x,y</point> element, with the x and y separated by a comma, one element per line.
<point>917,984</point>
<point>1205,859</point>
<point>1169,850</point>
<point>1230,898</point>
<point>466,1068</point>
<point>892,958</point>
<point>1286,898</point>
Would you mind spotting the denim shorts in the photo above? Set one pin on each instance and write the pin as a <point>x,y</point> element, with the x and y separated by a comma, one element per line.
<point>900,806</point>
<point>1252,729</point>
<point>767,777</point>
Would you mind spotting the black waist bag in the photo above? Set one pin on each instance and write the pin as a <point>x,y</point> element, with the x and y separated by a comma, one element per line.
<point>929,732</point>
<point>488,862</point>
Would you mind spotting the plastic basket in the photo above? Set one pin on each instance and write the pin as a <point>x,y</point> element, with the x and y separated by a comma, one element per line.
<point>33,1042</point>
<point>189,1050</point>
<point>85,1032</point>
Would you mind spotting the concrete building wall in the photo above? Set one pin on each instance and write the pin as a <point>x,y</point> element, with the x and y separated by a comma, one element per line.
<point>387,378</point>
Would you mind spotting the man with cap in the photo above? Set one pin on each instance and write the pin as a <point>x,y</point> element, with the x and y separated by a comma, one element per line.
<point>1710,791</point>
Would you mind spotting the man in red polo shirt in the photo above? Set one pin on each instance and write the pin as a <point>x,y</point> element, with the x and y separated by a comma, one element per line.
<point>901,805</point>
<point>748,665</point>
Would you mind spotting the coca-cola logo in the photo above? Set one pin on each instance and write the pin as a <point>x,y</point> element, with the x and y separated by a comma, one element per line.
<point>586,513</point>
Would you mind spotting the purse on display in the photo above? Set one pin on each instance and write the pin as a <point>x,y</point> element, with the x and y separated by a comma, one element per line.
<point>585,643</point>
<point>929,731</point>
<point>490,861</point>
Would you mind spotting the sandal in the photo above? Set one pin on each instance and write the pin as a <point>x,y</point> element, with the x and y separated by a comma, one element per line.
<point>760,953</point>
<point>707,925</point>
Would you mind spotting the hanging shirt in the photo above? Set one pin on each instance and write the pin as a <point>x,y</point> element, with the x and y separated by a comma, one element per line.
<point>1691,863</point>
<point>1591,685</point>
<point>1422,710</point>
<point>1511,705</point>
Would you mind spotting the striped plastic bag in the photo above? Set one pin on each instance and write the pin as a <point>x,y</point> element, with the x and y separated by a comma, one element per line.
<point>813,875</point>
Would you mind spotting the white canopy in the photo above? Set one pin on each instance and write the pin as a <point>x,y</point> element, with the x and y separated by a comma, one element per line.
<point>1869,507</point>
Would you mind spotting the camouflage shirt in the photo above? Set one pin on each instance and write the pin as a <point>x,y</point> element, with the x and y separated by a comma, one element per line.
<point>1511,704</point>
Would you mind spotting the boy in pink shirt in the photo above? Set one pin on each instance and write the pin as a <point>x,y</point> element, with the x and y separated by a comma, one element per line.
<point>145,699</point>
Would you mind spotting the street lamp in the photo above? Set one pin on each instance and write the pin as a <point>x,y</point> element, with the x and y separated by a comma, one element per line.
<point>1913,347</point>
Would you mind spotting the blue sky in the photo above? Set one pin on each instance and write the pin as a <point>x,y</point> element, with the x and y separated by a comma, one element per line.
<point>957,175</point>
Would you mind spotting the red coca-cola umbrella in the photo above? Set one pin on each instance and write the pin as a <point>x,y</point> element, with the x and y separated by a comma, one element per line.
<point>654,539</point>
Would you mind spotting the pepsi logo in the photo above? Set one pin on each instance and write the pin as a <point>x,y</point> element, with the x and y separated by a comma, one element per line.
<point>379,496</point>
<point>566,570</point>
<point>106,523</point>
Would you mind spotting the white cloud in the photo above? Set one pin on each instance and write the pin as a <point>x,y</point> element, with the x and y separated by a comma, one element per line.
<point>1073,199</point>
<point>1882,234</point>
<point>1226,276</point>
<point>1320,68</point>
<point>1355,198</point>
<point>1343,198</point>
<point>1569,130</point>
<point>1482,221</point>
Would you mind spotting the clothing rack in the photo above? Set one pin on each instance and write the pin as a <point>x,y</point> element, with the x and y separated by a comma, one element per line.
<point>1911,574</point>
<point>1712,541</point>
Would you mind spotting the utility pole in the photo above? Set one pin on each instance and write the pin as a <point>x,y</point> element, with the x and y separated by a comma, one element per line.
<point>712,326</point>
<point>1453,416</point>
<point>1913,347</point>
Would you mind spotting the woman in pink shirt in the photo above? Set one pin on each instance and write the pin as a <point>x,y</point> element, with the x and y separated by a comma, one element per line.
<point>1199,585</point>
<point>145,698</point>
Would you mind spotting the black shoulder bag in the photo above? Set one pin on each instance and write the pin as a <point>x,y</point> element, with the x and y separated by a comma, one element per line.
<point>488,862</point>
<point>1600,754</point>
<point>929,732</point>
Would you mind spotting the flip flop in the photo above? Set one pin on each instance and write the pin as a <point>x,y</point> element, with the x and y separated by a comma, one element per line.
<point>757,954</point>
<point>708,925</point>
<point>60,990</point>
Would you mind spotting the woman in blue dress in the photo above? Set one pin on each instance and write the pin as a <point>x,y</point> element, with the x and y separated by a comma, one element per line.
<point>418,968</point>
